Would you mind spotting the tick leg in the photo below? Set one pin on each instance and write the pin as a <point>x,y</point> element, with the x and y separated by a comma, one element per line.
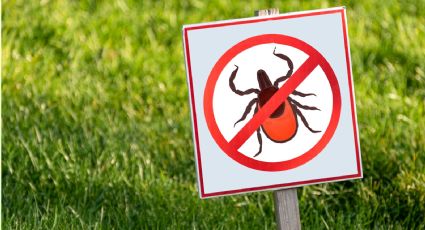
<point>297,104</point>
<point>297,93</point>
<point>290,65</point>
<point>233,87</point>
<point>247,110</point>
<point>260,140</point>
<point>299,113</point>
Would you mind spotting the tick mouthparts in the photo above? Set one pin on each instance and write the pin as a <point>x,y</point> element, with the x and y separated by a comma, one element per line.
<point>263,80</point>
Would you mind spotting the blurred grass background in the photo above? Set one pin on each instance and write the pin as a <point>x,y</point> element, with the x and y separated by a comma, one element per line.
<point>96,127</point>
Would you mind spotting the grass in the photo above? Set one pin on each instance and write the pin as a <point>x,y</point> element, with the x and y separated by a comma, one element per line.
<point>96,129</point>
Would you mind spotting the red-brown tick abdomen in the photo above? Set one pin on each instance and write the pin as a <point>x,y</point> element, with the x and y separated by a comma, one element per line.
<point>282,128</point>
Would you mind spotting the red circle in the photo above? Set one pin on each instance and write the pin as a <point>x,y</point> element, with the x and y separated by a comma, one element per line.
<point>209,93</point>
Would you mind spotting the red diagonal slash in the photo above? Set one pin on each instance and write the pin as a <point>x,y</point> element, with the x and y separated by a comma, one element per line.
<point>278,98</point>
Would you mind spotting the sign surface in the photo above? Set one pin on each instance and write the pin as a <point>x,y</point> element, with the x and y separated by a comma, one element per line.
<point>272,102</point>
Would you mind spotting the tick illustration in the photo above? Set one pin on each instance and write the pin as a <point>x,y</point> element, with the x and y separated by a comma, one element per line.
<point>282,125</point>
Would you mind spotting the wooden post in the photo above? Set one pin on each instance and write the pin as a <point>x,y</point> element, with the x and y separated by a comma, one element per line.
<point>270,11</point>
<point>286,200</point>
<point>286,209</point>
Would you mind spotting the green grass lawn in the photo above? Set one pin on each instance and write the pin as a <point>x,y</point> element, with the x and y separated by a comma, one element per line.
<point>96,126</point>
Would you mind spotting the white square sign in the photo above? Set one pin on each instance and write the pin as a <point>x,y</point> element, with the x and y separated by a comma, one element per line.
<point>272,102</point>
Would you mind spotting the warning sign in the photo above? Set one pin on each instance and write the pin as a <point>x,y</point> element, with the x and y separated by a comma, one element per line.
<point>268,104</point>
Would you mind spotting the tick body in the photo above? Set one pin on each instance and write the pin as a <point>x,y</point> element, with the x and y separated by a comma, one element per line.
<point>282,125</point>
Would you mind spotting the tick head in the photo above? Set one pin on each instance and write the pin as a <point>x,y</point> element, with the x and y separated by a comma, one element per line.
<point>263,80</point>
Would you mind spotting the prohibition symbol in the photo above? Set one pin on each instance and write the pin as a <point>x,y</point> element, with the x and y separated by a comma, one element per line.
<point>278,106</point>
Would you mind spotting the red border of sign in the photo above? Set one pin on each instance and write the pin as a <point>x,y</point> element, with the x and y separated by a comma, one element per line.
<point>340,11</point>
<point>316,57</point>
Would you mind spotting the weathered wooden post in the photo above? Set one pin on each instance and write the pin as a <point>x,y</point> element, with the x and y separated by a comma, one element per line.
<point>286,208</point>
<point>285,200</point>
